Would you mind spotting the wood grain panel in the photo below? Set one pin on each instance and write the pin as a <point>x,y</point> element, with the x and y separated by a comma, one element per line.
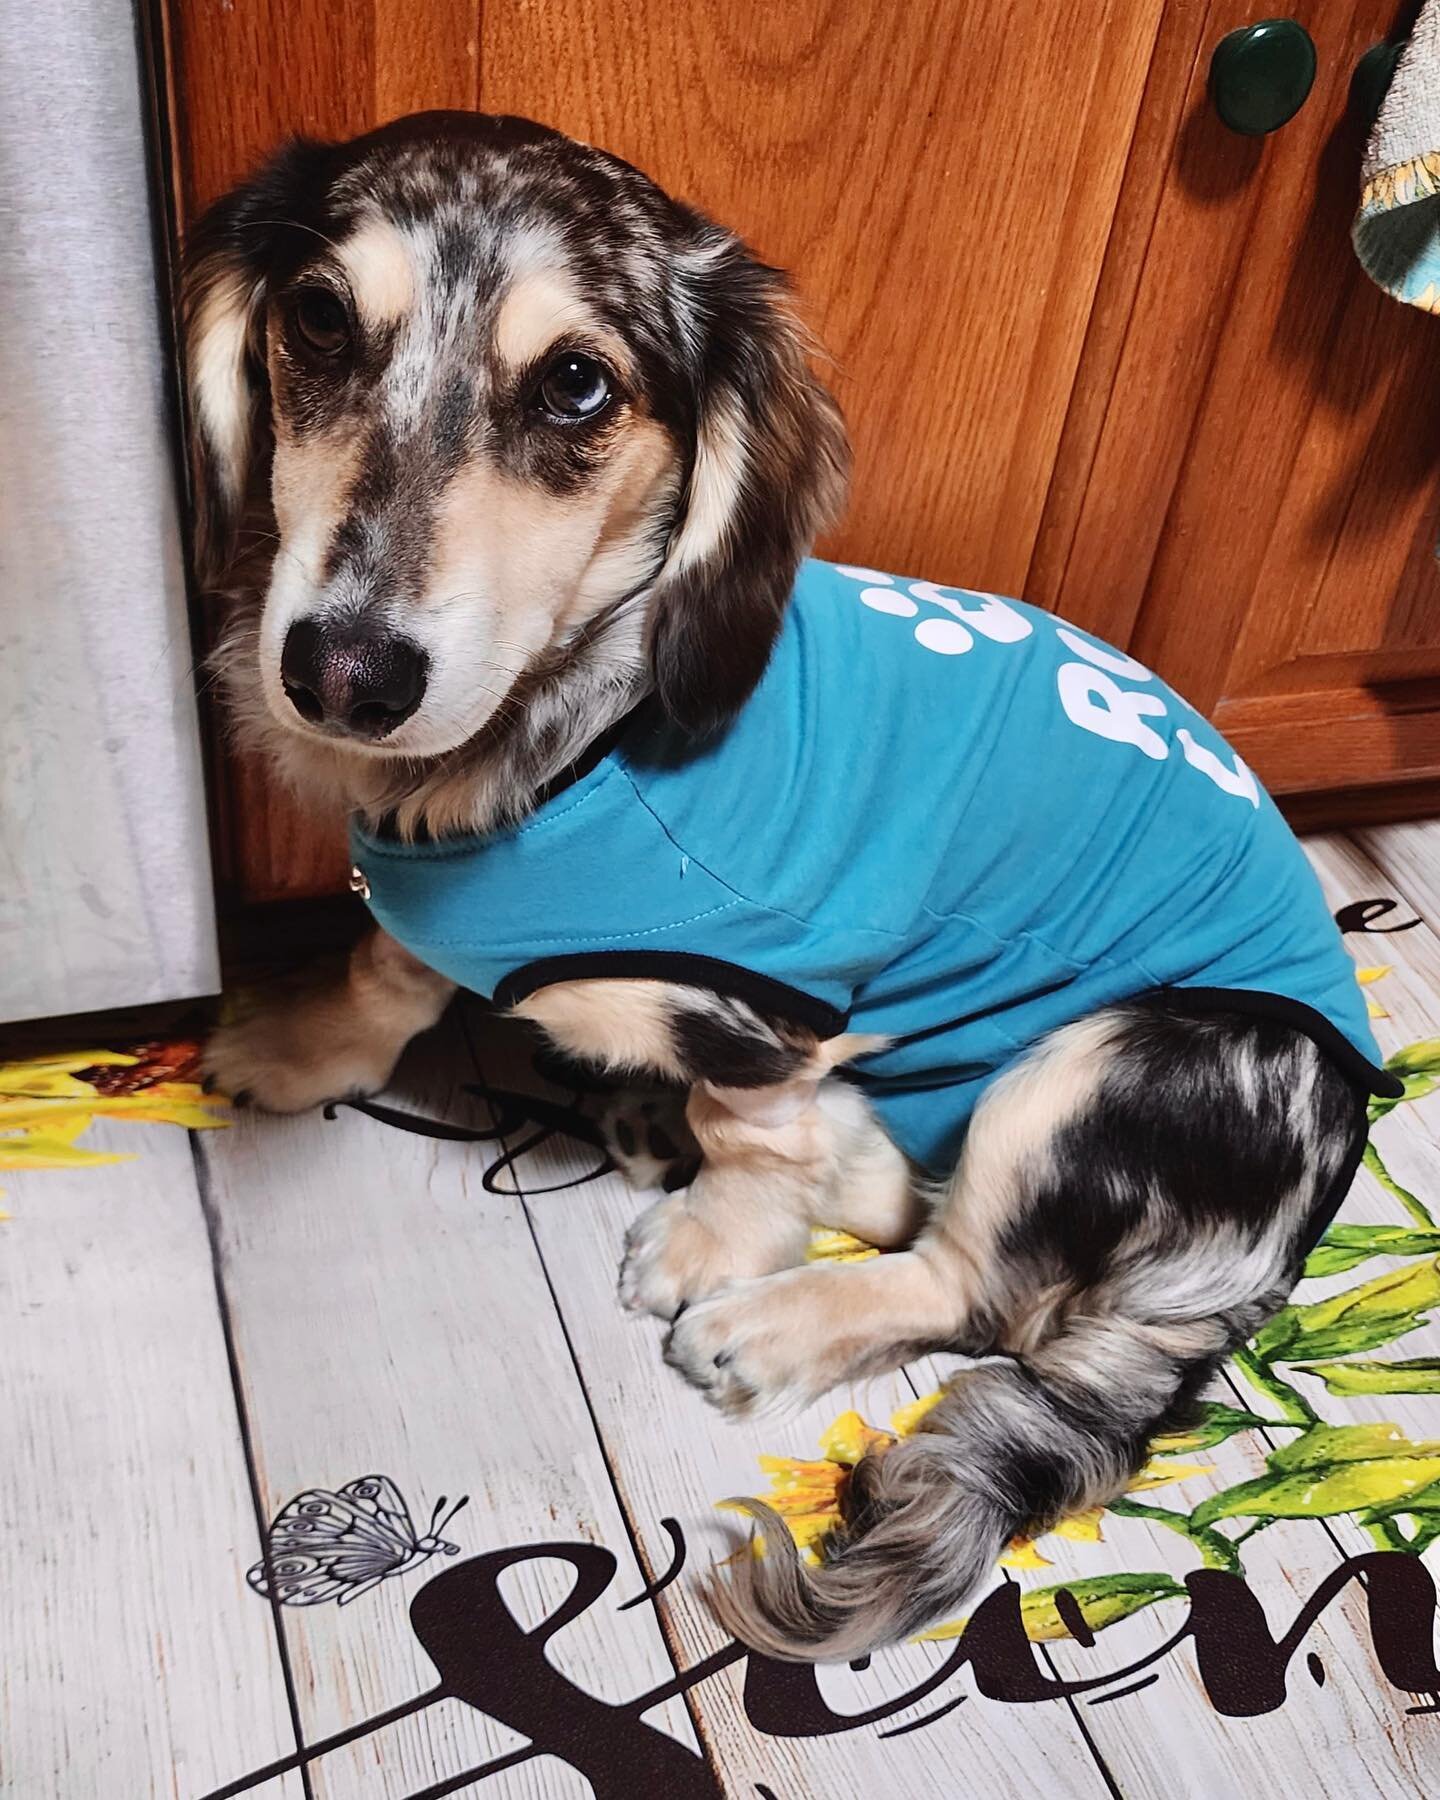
<point>245,74</point>
<point>1282,451</point>
<point>1097,386</point>
<point>939,182</point>
<point>1171,262</point>
<point>1253,508</point>
<point>1408,800</point>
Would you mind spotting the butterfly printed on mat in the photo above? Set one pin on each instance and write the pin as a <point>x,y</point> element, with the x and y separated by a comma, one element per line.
<point>326,1546</point>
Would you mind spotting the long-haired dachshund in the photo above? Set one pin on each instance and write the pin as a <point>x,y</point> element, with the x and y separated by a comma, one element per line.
<point>959,929</point>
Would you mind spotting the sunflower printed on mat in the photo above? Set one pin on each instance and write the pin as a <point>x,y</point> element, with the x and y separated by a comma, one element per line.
<point>47,1103</point>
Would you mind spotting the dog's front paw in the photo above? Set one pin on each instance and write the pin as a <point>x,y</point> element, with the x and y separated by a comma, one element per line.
<point>683,1248</point>
<point>287,1055</point>
<point>751,1347</point>
<point>671,1258</point>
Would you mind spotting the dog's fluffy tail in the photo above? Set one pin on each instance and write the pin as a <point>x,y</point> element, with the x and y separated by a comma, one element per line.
<point>1012,1446</point>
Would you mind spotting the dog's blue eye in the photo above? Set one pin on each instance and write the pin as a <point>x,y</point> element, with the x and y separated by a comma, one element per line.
<point>574,387</point>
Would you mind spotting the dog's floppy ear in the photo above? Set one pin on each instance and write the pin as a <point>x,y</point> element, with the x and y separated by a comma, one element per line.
<point>229,262</point>
<point>769,465</point>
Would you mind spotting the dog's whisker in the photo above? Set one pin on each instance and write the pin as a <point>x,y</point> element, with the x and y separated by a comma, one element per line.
<point>292,225</point>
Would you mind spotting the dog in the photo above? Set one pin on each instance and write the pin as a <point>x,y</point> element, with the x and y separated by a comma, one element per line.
<point>511,464</point>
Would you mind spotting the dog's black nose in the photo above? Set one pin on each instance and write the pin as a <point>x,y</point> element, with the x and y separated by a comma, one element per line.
<point>361,681</point>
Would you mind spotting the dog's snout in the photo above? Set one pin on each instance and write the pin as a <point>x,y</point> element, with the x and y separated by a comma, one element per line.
<point>363,682</point>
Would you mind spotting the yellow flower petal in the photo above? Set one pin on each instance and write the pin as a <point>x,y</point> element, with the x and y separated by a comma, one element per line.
<point>801,1501</point>
<point>1082,1527</point>
<point>167,1103</point>
<point>1022,1554</point>
<point>53,1085</point>
<point>905,1419</point>
<point>42,1150</point>
<point>39,1074</point>
<point>849,1437</point>
<point>838,1246</point>
<point>937,1634</point>
<point>45,1107</point>
<point>809,1529</point>
<point>808,1526</point>
<point>793,1469</point>
<point>1158,1475</point>
<point>1079,1528</point>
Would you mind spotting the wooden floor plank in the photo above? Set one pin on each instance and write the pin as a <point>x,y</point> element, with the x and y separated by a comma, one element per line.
<point>674,1457</point>
<point>1408,1139</point>
<point>392,1317</point>
<point>1408,855</point>
<point>133,1661</point>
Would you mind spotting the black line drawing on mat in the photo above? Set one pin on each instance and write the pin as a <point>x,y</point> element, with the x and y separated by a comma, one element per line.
<point>513,1113</point>
<point>486,1659</point>
<point>672,1530</point>
<point>325,1546</point>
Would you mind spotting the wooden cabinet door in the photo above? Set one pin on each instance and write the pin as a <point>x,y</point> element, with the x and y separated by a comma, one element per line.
<point>940,178</point>
<point>1247,493</point>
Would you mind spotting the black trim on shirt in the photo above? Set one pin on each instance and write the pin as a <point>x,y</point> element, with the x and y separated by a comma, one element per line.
<point>772,998</point>
<point>1321,1031</point>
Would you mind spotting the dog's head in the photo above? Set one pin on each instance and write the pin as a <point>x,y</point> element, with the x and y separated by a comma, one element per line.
<point>517,409</point>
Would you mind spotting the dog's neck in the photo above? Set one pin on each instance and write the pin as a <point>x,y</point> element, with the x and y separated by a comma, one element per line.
<point>542,730</point>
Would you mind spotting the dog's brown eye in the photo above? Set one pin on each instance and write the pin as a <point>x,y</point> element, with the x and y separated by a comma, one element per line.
<point>321,321</point>
<point>574,387</point>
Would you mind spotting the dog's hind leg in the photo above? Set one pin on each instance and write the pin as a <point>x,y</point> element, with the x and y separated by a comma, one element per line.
<point>787,1340</point>
<point>1142,1191</point>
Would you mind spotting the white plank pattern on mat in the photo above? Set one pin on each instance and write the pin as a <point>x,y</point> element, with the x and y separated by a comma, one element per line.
<point>1409,996</point>
<point>674,1456</point>
<point>1409,856</point>
<point>133,1662</point>
<point>392,1317</point>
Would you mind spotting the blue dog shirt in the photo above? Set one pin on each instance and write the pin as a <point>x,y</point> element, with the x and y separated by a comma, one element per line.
<point>943,817</point>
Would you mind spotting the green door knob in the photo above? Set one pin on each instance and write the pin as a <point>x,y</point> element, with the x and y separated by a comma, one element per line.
<point>1261,75</point>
